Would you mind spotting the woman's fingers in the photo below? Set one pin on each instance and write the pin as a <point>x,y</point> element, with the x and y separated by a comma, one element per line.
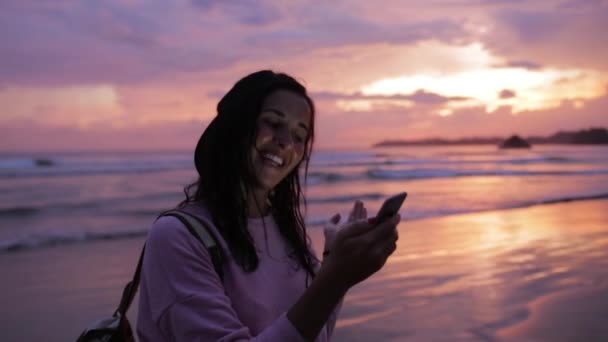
<point>330,231</point>
<point>335,219</point>
<point>385,247</point>
<point>389,249</point>
<point>356,228</point>
<point>388,225</point>
<point>357,212</point>
<point>385,231</point>
<point>362,211</point>
<point>371,232</point>
<point>381,252</point>
<point>352,216</point>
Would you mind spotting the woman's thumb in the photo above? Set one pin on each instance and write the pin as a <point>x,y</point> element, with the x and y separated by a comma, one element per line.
<point>335,219</point>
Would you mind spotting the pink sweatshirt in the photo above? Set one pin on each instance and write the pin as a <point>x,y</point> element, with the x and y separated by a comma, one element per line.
<point>183,299</point>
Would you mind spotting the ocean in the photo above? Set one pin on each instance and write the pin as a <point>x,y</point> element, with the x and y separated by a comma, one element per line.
<point>53,199</point>
<point>495,245</point>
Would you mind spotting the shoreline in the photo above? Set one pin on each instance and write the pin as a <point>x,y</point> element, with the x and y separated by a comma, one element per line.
<point>22,246</point>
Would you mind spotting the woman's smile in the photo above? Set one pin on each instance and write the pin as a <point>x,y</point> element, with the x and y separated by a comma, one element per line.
<point>273,160</point>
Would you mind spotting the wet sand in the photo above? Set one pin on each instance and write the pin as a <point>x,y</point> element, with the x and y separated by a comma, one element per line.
<point>52,294</point>
<point>574,315</point>
<point>533,274</point>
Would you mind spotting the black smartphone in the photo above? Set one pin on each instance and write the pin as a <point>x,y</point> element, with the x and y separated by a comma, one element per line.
<point>390,207</point>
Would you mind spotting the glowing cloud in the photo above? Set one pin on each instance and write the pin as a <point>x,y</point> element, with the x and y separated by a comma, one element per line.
<point>483,82</point>
<point>77,105</point>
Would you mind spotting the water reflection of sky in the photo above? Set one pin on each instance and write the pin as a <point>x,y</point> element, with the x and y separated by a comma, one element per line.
<point>464,277</point>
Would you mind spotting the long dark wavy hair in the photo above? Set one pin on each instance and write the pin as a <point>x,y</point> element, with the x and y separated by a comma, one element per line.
<point>223,161</point>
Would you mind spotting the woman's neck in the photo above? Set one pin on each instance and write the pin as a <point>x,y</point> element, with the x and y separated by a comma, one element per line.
<point>257,203</point>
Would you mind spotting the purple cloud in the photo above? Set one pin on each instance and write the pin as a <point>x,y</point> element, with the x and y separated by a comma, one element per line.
<point>420,96</point>
<point>248,12</point>
<point>531,26</point>
<point>98,42</point>
<point>321,26</point>
<point>523,64</point>
<point>581,4</point>
<point>506,94</point>
<point>559,36</point>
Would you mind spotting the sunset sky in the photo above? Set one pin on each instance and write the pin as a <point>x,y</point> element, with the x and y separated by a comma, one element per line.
<point>147,74</point>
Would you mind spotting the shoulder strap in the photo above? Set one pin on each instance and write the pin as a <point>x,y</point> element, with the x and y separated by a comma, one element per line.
<point>130,289</point>
<point>200,231</point>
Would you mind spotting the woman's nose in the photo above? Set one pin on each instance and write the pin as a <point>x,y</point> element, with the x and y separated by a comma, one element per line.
<point>283,138</point>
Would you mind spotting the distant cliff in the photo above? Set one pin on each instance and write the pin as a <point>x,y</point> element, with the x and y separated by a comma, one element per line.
<point>592,136</point>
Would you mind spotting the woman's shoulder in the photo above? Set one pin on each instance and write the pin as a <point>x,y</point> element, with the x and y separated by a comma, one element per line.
<point>170,230</point>
<point>167,230</point>
<point>199,210</point>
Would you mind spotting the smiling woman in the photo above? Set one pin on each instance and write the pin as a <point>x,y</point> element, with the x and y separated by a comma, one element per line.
<point>266,283</point>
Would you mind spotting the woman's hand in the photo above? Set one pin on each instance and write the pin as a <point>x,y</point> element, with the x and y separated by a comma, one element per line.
<point>357,250</point>
<point>360,249</point>
<point>358,212</point>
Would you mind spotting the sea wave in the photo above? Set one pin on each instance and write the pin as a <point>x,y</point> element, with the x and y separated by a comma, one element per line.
<point>569,199</point>
<point>106,204</point>
<point>314,178</point>
<point>386,174</point>
<point>401,160</point>
<point>56,239</point>
<point>18,211</point>
<point>326,167</point>
<point>22,211</point>
<point>49,167</point>
<point>347,199</point>
<point>328,158</point>
<point>497,161</point>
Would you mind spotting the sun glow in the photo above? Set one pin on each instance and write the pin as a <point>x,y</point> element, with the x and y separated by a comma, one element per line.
<point>483,82</point>
<point>66,105</point>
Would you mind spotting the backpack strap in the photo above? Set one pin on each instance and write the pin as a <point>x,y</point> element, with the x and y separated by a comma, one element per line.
<point>130,289</point>
<point>200,231</point>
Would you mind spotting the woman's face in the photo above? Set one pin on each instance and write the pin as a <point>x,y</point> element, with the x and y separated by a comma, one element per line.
<point>283,130</point>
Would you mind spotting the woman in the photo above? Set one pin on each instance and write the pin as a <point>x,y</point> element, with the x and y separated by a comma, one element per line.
<point>274,289</point>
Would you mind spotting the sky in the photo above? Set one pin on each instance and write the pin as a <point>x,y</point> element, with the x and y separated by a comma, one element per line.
<point>147,74</point>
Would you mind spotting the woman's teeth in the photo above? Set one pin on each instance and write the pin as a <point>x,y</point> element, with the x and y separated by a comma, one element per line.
<point>278,161</point>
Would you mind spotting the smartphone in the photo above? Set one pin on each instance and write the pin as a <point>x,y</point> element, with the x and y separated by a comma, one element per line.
<point>390,207</point>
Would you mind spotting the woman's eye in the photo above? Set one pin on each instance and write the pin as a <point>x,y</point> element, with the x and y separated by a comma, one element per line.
<point>272,123</point>
<point>299,138</point>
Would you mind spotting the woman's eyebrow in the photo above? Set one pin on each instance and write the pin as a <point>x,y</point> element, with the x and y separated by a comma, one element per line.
<point>281,114</point>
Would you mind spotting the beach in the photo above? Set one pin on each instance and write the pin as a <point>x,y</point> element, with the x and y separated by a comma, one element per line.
<point>530,274</point>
